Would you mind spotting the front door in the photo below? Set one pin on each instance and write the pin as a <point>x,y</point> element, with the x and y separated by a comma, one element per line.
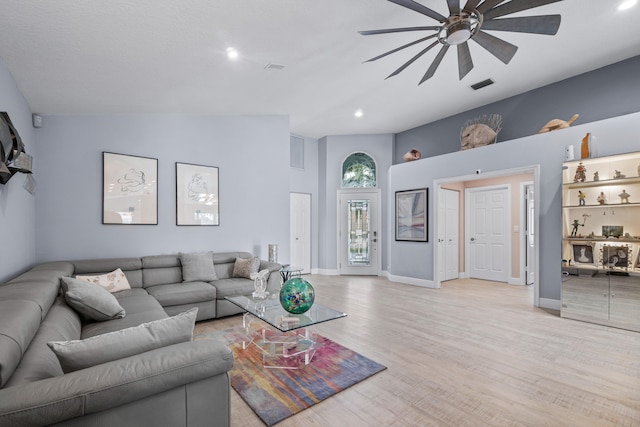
<point>488,225</point>
<point>359,236</point>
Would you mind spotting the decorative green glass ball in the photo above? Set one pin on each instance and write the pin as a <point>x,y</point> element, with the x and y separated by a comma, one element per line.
<point>297,295</point>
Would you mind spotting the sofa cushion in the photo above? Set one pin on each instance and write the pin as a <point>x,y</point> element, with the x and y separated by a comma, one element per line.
<point>140,308</point>
<point>131,267</point>
<point>91,300</point>
<point>197,266</point>
<point>245,267</point>
<point>42,291</point>
<point>19,322</point>
<point>79,354</point>
<point>233,287</point>
<point>182,293</point>
<point>38,362</point>
<point>113,282</point>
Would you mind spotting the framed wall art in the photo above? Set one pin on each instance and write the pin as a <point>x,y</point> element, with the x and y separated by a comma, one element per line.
<point>583,254</point>
<point>616,256</point>
<point>197,195</point>
<point>411,215</point>
<point>129,189</point>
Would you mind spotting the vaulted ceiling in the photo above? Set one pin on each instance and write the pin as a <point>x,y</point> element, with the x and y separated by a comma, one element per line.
<point>302,58</point>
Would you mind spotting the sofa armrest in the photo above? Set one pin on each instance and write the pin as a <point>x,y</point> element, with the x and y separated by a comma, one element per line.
<point>112,384</point>
<point>274,280</point>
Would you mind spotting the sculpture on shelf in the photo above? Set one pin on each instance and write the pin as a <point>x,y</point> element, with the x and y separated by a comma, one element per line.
<point>412,155</point>
<point>576,224</point>
<point>581,173</point>
<point>624,197</point>
<point>556,124</point>
<point>619,175</point>
<point>480,131</point>
<point>596,176</point>
<point>602,199</point>
<point>581,197</point>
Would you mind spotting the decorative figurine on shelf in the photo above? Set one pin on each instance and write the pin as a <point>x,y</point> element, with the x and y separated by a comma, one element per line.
<point>596,176</point>
<point>581,173</point>
<point>624,197</point>
<point>576,224</point>
<point>602,199</point>
<point>581,197</point>
<point>412,155</point>
<point>618,175</point>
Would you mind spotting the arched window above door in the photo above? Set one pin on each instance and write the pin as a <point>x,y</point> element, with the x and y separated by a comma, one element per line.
<point>358,171</point>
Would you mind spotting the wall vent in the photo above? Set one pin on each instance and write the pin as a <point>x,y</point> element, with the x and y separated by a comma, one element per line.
<point>276,67</point>
<point>482,84</point>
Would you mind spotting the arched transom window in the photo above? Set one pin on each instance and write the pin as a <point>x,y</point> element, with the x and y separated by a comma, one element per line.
<point>358,171</point>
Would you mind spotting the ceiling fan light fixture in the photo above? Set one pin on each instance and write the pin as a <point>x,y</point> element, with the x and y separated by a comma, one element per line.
<point>458,33</point>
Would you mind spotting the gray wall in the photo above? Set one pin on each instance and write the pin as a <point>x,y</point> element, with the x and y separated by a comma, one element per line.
<point>600,94</point>
<point>17,206</point>
<point>252,153</point>
<point>613,136</point>
<point>306,181</point>
<point>332,151</point>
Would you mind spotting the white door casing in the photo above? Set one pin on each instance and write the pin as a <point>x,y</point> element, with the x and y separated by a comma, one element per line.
<point>448,234</point>
<point>530,244</point>
<point>359,232</point>
<point>300,231</point>
<point>488,220</point>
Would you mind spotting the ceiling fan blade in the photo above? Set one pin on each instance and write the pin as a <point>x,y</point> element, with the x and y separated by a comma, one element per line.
<point>400,48</point>
<point>499,48</point>
<point>544,24</point>
<point>417,7</point>
<point>396,30</point>
<point>465,63</point>
<point>515,6</point>
<point>435,64</point>
<point>412,60</point>
<point>471,4</point>
<point>454,6</point>
<point>488,4</point>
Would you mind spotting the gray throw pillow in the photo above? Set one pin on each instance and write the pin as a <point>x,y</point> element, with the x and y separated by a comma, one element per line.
<point>245,267</point>
<point>93,301</point>
<point>79,354</point>
<point>198,266</point>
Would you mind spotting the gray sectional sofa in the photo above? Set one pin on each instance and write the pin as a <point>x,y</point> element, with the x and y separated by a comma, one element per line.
<point>181,384</point>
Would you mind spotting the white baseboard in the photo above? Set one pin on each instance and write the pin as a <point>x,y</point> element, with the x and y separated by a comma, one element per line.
<point>325,272</point>
<point>553,304</point>
<point>413,281</point>
<point>462,275</point>
<point>516,281</point>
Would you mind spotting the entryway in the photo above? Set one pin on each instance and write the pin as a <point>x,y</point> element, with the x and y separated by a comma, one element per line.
<point>300,231</point>
<point>358,229</point>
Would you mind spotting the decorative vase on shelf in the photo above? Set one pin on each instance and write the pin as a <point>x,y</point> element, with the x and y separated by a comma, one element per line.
<point>586,146</point>
<point>297,295</point>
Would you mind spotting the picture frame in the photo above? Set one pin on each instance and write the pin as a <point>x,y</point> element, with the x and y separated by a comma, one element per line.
<point>616,256</point>
<point>412,216</point>
<point>197,194</point>
<point>584,254</point>
<point>129,189</point>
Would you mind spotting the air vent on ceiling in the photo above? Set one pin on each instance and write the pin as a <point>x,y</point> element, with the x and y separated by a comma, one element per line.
<point>276,67</point>
<point>482,84</point>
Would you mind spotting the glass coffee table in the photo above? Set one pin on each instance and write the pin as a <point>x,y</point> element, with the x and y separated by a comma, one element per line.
<point>287,341</point>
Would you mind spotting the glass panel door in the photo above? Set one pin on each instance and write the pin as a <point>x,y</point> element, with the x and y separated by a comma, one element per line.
<point>359,226</point>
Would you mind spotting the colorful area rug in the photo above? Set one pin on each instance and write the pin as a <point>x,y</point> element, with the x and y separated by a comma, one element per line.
<point>276,394</point>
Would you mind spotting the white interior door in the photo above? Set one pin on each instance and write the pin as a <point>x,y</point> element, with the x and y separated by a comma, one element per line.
<point>530,259</point>
<point>488,225</point>
<point>448,234</point>
<point>358,241</point>
<point>300,231</point>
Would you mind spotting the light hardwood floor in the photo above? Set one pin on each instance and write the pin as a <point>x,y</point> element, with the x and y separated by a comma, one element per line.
<point>473,353</point>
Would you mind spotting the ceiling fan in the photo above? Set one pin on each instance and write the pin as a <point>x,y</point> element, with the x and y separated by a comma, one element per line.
<point>468,23</point>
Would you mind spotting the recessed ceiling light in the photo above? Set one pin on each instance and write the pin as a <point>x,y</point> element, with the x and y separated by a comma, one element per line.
<point>358,113</point>
<point>628,4</point>
<point>232,53</point>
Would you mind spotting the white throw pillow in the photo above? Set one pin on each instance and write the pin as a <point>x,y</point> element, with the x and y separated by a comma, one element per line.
<point>113,282</point>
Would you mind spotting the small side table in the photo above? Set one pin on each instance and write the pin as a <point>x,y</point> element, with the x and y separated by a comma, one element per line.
<point>287,272</point>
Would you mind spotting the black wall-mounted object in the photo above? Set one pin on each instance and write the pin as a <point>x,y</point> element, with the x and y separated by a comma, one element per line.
<point>13,158</point>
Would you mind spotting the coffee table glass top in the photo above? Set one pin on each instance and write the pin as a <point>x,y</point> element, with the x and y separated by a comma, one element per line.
<point>270,311</point>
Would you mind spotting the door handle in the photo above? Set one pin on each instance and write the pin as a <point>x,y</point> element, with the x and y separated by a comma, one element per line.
<point>375,240</point>
<point>473,239</point>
